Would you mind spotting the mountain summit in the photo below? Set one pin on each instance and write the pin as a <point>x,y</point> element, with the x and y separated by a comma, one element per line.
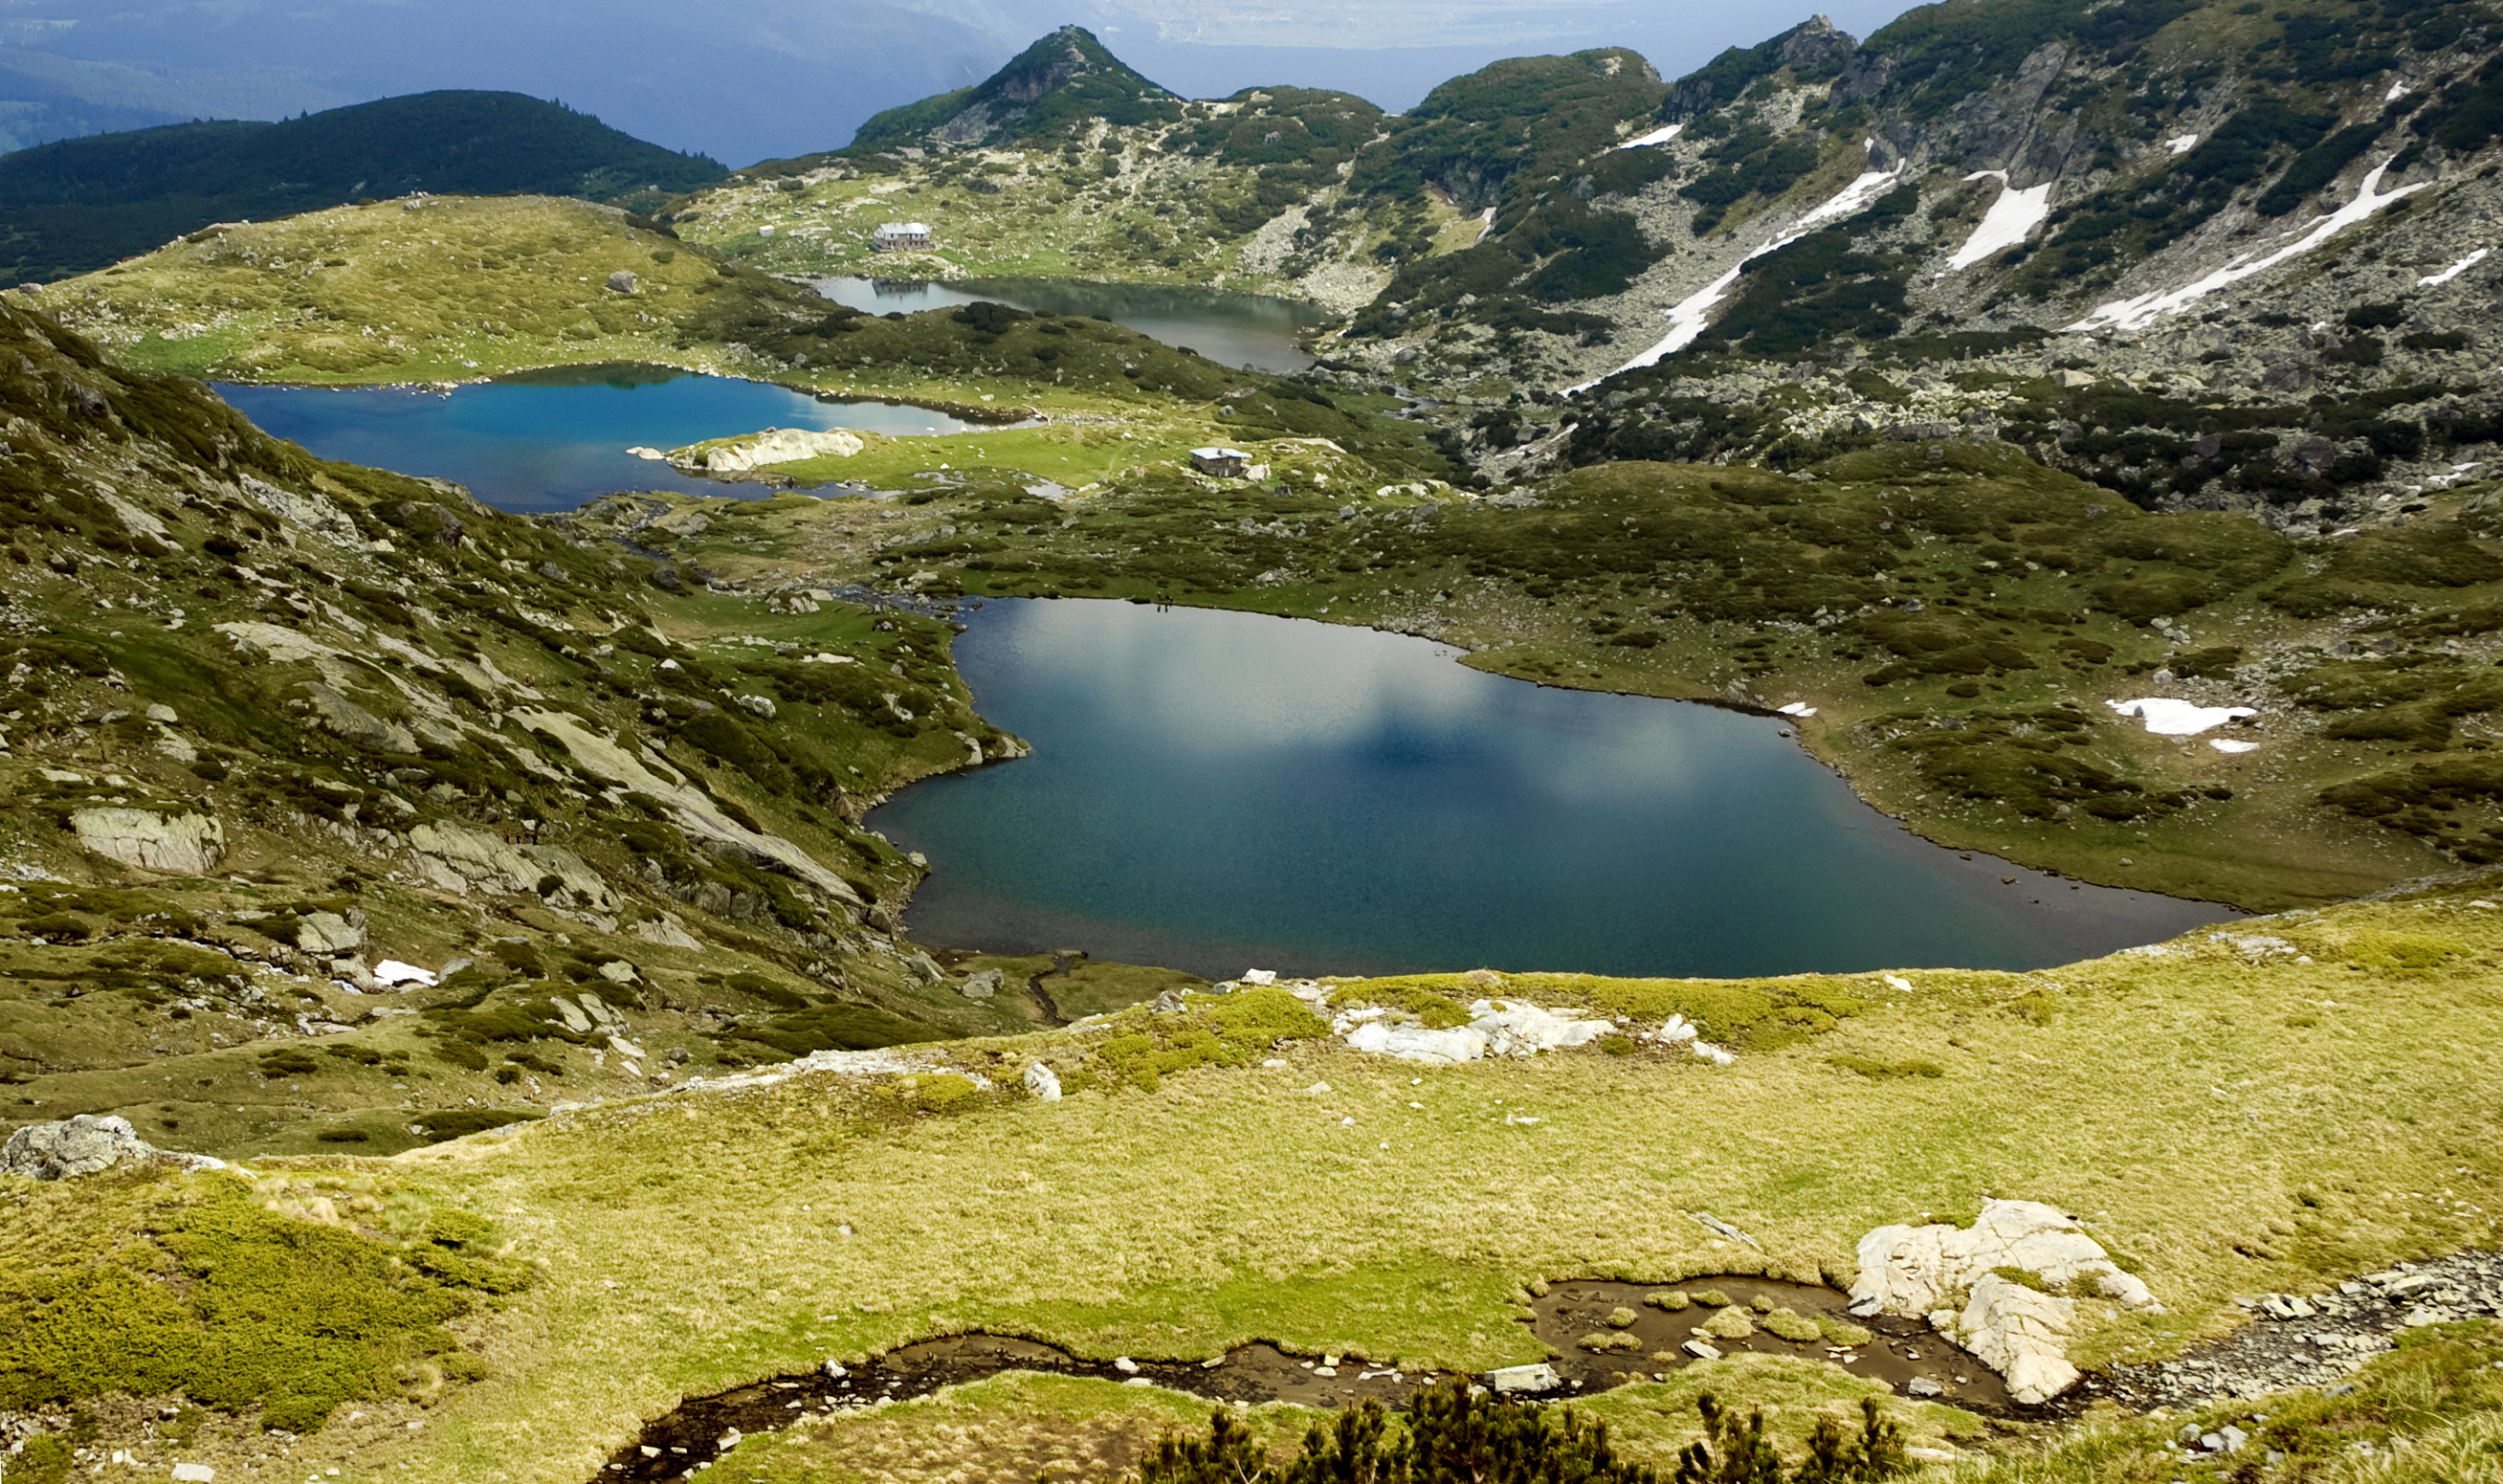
<point>1066,79</point>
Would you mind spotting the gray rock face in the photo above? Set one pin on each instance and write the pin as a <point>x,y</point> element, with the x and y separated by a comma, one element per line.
<point>982,985</point>
<point>83,1144</point>
<point>178,845</point>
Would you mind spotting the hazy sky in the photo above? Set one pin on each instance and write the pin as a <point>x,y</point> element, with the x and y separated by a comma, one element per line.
<point>765,78</point>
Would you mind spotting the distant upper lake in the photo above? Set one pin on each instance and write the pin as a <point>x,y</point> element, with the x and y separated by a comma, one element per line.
<point>1229,328</point>
<point>1216,792</point>
<point>549,441</point>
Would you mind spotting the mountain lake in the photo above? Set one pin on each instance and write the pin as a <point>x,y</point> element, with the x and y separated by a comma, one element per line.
<point>550,440</point>
<point>1246,329</point>
<point>1216,792</point>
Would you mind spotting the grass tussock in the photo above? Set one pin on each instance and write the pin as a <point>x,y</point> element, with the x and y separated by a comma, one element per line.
<point>149,1285</point>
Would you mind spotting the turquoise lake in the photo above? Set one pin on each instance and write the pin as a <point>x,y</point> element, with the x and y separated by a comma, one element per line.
<point>550,440</point>
<point>1221,791</point>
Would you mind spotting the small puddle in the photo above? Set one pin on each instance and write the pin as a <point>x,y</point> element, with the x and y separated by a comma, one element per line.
<point>1902,1351</point>
<point>692,1435</point>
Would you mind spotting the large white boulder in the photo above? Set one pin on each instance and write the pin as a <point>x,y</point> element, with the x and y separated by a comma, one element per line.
<point>2020,1333</point>
<point>780,445</point>
<point>178,845</point>
<point>1952,1276</point>
<point>1496,1028</point>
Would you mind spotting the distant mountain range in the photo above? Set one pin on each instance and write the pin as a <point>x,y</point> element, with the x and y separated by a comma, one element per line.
<point>81,203</point>
<point>2207,255</point>
<point>767,78</point>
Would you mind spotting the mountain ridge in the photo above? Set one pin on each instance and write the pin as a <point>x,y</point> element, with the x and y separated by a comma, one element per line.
<point>77,204</point>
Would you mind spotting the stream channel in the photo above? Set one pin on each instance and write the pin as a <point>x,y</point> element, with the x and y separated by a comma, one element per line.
<point>1215,791</point>
<point>1899,1352</point>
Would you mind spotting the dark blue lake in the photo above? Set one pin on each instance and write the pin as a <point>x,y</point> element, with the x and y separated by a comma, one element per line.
<point>549,441</point>
<point>1217,791</point>
<point>1250,329</point>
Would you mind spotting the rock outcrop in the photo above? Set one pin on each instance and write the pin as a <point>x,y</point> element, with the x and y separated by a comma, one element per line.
<point>178,845</point>
<point>83,1144</point>
<point>779,445</point>
<point>2001,1288</point>
<point>459,859</point>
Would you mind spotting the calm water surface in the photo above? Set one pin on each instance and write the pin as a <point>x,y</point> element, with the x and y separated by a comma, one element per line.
<point>1229,328</point>
<point>549,441</point>
<point>1216,792</point>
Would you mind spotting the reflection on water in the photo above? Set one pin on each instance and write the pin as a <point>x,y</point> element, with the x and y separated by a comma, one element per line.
<point>550,439</point>
<point>1214,790</point>
<point>1229,328</point>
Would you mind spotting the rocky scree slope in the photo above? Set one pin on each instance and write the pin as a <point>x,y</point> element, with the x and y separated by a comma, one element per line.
<point>336,808</point>
<point>2209,257</point>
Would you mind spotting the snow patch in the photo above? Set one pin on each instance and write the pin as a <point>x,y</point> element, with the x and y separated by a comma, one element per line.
<point>2146,308</point>
<point>2009,220</point>
<point>1688,317</point>
<point>2454,270</point>
<point>1794,708</point>
<point>2167,718</point>
<point>2398,90</point>
<point>2228,745</point>
<point>1486,225</point>
<point>1655,136</point>
<point>391,971</point>
<point>2183,144</point>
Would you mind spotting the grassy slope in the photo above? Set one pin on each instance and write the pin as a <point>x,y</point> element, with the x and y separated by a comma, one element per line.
<point>185,1003</point>
<point>1162,218</point>
<point>2230,1127</point>
<point>461,287</point>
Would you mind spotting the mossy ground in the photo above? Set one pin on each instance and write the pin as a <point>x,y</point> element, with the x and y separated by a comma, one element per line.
<point>454,288</point>
<point>2230,1127</point>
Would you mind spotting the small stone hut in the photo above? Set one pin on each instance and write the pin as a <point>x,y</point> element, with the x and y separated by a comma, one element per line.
<point>902,238</point>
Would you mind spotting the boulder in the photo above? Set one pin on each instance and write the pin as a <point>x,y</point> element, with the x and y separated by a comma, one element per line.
<point>982,985</point>
<point>331,935</point>
<point>1042,1083</point>
<point>178,845</point>
<point>84,1143</point>
<point>622,281</point>
<point>1956,1278</point>
<point>1540,1377</point>
<point>780,446</point>
<point>2020,1333</point>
